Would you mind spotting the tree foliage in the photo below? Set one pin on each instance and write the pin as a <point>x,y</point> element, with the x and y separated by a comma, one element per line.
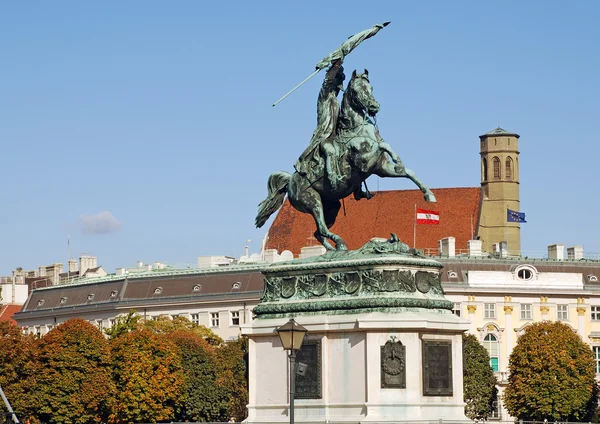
<point>166,325</point>
<point>74,383</point>
<point>551,375</point>
<point>18,369</point>
<point>123,324</point>
<point>231,366</point>
<point>148,374</point>
<point>203,399</point>
<point>479,382</point>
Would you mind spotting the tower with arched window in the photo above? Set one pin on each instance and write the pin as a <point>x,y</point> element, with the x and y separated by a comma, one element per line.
<point>499,151</point>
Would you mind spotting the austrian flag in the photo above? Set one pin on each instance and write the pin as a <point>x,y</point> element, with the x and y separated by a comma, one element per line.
<point>425,216</point>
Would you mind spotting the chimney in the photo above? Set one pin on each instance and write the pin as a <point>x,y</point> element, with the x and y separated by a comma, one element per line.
<point>73,265</point>
<point>503,249</point>
<point>270,256</point>
<point>148,267</point>
<point>447,247</point>
<point>474,247</point>
<point>42,271</point>
<point>140,264</point>
<point>311,251</point>
<point>120,271</point>
<point>575,252</point>
<point>86,262</point>
<point>556,251</point>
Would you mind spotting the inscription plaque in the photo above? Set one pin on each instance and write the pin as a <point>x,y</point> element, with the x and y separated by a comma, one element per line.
<point>308,371</point>
<point>437,368</point>
<point>393,365</point>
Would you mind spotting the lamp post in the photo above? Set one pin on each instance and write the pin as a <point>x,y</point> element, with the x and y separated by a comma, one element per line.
<point>291,335</point>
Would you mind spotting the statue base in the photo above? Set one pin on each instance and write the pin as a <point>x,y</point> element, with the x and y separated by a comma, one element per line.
<point>382,343</point>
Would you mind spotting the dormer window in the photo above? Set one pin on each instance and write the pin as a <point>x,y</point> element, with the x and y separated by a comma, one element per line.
<point>452,274</point>
<point>63,300</point>
<point>113,293</point>
<point>592,278</point>
<point>525,272</point>
<point>90,296</point>
<point>40,302</point>
<point>158,290</point>
<point>197,288</point>
<point>236,285</point>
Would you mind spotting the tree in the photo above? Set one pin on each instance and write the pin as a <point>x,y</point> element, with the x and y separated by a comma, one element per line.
<point>203,399</point>
<point>74,384</point>
<point>231,365</point>
<point>166,325</point>
<point>123,324</point>
<point>551,375</point>
<point>148,375</point>
<point>479,382</point>
<point>17,369</point>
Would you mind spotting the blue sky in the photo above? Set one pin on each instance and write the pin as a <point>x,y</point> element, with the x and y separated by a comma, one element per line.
<point>157,115</point>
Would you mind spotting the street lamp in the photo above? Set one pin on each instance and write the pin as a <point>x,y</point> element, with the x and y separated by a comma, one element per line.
<point>291,335</point>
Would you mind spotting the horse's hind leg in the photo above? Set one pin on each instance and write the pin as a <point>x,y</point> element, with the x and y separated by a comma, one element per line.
<point>389,169</point>
<point>310,202</point>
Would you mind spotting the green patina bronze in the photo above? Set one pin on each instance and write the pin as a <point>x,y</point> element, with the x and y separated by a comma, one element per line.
<point>382,276</point>
<point>344,151</point>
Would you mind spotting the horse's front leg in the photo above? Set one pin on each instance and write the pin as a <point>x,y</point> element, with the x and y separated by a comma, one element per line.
<point>394,170</point>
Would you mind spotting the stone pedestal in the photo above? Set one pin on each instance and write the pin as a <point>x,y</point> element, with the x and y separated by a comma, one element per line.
<point>382,343</point>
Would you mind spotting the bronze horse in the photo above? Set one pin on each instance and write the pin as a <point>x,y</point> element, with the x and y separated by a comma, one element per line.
<point>361,153</point>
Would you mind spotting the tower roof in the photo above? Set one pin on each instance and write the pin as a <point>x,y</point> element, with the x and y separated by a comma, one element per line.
<point>388,212</point>
<point>499,132</point>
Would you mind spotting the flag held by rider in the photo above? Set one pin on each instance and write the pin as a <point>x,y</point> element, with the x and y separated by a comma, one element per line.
<point>345,49</point>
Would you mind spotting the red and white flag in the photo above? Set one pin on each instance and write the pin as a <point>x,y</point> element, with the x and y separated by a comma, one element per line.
<point>425,216</point>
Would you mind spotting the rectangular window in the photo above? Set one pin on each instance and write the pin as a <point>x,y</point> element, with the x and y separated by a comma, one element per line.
<point>489,310</point>
<point>595,313</point>
<point>562,312</point>
<point>526,311</point>
<point>235,318</point>
<point>111,322</point>
<point>99,324</point>
<point>214,319</point>
<point>494,364</point>
<point>196,318</point>
<point>456,309</point>
<point>596,350</point>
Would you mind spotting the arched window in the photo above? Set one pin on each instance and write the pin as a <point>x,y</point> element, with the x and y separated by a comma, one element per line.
<point>491,344</point>
<point>509,167</point>
<point>485,169</point>
<point>497,174</point>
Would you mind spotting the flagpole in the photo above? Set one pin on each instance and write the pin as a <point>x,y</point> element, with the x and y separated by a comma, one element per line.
<point>415,231</point>
<point>68,257</point>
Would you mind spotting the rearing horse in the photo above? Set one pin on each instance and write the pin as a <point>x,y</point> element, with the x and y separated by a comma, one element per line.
<point>362,153</point>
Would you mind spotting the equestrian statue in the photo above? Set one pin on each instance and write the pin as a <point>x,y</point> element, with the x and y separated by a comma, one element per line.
<point>344,151</point>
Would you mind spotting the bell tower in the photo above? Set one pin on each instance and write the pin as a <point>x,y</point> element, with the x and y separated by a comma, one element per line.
<point>499,151</point>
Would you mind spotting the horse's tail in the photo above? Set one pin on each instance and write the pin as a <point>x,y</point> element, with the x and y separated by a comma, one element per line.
<point>278,186</point>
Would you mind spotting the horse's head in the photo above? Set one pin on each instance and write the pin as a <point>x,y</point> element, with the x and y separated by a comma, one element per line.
<point>360,94</point>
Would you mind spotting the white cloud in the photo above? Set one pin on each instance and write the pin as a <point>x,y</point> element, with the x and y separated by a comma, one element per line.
<point>101,223</point>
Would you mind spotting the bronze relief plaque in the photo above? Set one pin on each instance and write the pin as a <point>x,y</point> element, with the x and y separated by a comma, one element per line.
<point>437,368</point>
<point>393,365</point>
<point>308,370</point>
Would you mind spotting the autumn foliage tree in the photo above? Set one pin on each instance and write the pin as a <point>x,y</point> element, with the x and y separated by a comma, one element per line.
<point>479,382</point>
<point>232,376</point>
<point>149,378</point>
<point>18,369</point>
<point>551,375</point>
<point>74,383</point>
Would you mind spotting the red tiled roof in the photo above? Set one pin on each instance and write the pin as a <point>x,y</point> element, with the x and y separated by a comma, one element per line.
<point>7,312</point>
<point>387,212</point>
